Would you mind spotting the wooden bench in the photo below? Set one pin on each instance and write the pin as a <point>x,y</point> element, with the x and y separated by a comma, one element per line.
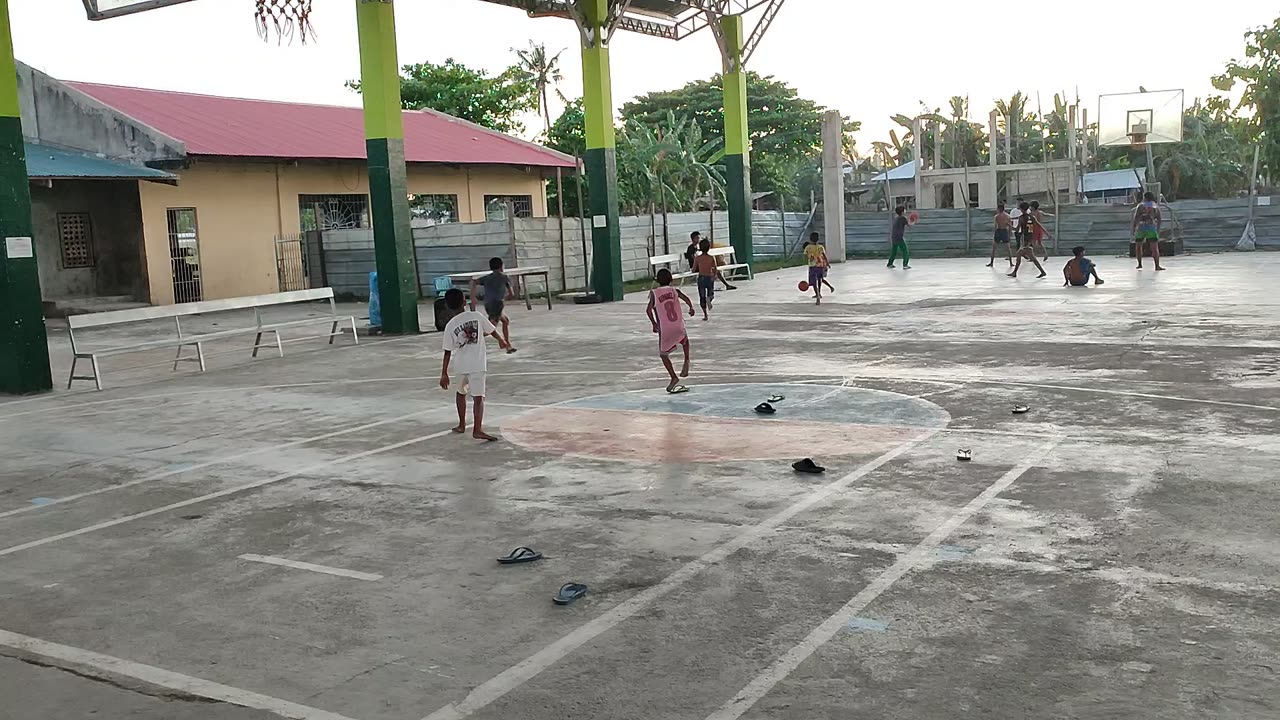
<point>518,278</point>
<point>182,341</point>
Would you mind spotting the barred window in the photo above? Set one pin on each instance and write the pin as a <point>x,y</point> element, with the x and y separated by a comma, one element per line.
<point>434,209</point>
<point>495,206</point>
<point>75,235</point>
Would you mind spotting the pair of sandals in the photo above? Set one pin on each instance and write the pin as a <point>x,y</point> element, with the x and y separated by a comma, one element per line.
<point>567,594</point>
<point>767,408</point>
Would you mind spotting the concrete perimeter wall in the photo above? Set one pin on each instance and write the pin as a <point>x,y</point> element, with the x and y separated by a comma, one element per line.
<point>1206,226</point>
<point>467,247</point>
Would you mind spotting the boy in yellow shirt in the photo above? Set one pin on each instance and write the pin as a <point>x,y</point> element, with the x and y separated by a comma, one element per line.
<point>817,257</point>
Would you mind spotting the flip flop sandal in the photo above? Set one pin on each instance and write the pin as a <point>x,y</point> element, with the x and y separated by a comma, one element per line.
<point>520,555</point>
<point>964,454</point>
<point>568,593</point>
<point>677,390</point>
<point>765,408</point>
<point>1021,409</point>
<point>807,465</point>
<point>776,398</point>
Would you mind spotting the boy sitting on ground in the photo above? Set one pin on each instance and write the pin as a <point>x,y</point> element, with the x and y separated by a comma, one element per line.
<point>1079,269</point>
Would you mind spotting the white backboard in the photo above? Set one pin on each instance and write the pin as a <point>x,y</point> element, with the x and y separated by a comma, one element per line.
<point>104,9</point>
<point>1157,115</point>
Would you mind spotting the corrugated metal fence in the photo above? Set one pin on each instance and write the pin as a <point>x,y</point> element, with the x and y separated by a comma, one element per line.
<point>443,249</point>
<point>1206,226</point>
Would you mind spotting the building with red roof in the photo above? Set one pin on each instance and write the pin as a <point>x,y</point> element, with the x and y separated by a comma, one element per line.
<point>242,182</point>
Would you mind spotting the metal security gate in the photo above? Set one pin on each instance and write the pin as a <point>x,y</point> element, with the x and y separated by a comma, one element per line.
<point>291,263</point>
<point>184,255</point>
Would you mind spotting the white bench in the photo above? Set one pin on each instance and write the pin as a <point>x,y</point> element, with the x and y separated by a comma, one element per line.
<point>729,269</point>
<point>517,275</point>
<point>181,341</point>
<point>668,261</point>
<point>724,260</point>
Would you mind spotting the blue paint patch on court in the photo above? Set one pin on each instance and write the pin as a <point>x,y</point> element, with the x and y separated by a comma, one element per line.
<point>952,552</point>
<point>42,501</point>
<point>861,624</point>
<point>810,403</point>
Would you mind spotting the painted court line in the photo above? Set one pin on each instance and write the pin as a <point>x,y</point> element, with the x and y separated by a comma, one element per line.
<point>215,461</point>
<point>221,493</point>
<point>297,565</point>
<point>918,557</point>
<point>99,665</point>
<point>518,675</point>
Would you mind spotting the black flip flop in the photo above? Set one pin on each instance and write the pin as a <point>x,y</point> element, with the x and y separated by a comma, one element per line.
<point>776,398</point>
<point>807,465</point>
<point>964,454</point>
<point>765,408</point>
<point>1021,409</point>
<point>568,593</point>
<point>520,555</point>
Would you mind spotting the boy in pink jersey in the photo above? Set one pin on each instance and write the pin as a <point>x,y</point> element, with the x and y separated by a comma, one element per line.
<point>668,322</point>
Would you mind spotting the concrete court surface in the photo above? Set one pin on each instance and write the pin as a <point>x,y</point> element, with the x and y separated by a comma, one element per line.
<point>1115,553</point>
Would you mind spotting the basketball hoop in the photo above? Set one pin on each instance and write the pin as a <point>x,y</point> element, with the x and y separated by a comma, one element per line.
<point>284,18</point>
<point>1137,140</point>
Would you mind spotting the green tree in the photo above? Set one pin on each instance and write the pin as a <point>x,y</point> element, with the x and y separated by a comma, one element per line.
<point>568,135</point>
<point>455,89</point>
<point>785,129</point>
<point>1259,74</point>
<point>543,71</point>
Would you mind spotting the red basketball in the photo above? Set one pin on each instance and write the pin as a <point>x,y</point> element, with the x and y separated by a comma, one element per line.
<point>804,286</point>
<point>913,218</point>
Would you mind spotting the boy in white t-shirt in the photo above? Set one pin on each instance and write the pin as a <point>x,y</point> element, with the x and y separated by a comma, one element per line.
<point>464,347</point>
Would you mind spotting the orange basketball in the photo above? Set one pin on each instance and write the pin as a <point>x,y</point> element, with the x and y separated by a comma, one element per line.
<point>804,286</point>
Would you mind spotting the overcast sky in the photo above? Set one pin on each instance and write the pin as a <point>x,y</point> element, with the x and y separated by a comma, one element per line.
<point>868,60</point>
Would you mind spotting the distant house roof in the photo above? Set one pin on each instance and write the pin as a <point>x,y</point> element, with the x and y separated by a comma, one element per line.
<point>906,171</point>
<point>234,127</point>
<point>1128,179</point>
<point>49,163</point>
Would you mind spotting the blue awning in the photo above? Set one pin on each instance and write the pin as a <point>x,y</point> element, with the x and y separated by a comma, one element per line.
<point>50,163</point>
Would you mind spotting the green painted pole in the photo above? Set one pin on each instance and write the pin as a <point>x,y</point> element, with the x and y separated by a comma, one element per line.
<point>24,346</point>
<point>388,182</point>
<point>737,143</point>
<point>599,159</point>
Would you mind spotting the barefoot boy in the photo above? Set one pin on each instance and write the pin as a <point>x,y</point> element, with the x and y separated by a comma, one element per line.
<point>816,255</point>
<point>1003,223</point>
<point>1026,235</point>
<point>708,270</point>
<point>1146,228</point>
<point>1079,269</point>
<point>464,348</point>
<point>497,291</point>
<point>668,322</point>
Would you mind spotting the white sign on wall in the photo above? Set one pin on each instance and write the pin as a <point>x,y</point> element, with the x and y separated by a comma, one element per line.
<point>1264,199</point>
<point>18,247</point>
<point>600,221</point>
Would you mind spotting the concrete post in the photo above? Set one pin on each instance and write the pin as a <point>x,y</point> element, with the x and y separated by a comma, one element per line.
<point>993,159</point>
<point>388,181</point>
<point>833,184</point>
<point>1073,177</point>
<point>24,345</point>
<point>737,149</point>
<point>600,158</point>
<point>917,147</point>
<point>937,145</point>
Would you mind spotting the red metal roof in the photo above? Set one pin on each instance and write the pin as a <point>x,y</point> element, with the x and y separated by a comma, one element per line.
<point>235,127</point>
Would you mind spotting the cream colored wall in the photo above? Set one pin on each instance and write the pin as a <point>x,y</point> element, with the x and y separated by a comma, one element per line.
<point>241,206</point>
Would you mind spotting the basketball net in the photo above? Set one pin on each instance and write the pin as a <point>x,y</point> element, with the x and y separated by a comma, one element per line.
<point>285,18</point>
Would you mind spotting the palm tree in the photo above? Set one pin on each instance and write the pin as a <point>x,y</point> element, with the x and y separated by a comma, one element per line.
<point>544,72</point>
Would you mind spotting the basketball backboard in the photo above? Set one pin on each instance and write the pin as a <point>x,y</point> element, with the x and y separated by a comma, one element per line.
<point>105,9</point>
<point>1140,118</point>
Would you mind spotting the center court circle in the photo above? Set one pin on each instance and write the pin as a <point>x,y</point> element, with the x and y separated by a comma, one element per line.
<point>718,423</point>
